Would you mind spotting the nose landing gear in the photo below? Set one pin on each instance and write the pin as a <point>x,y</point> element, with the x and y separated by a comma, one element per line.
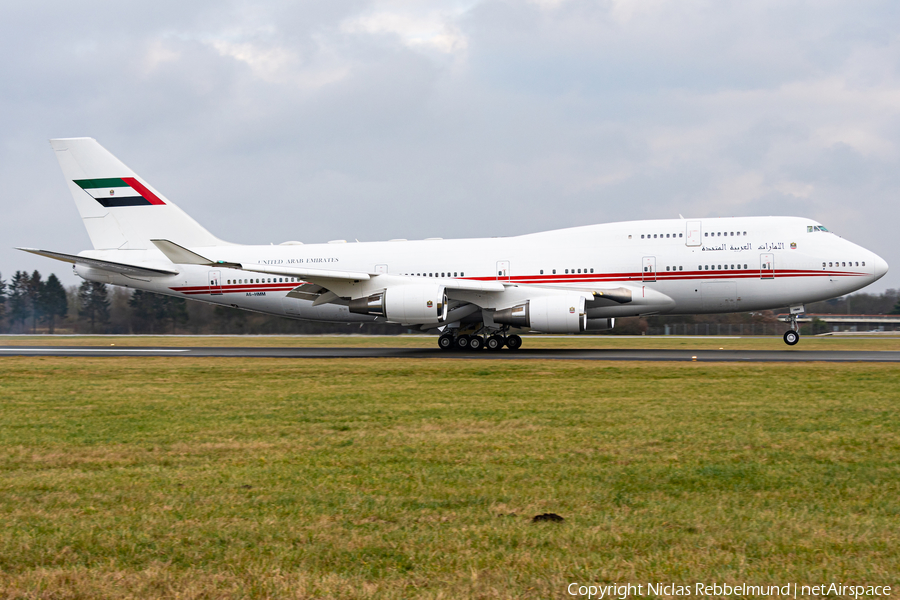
<point>792,335</point>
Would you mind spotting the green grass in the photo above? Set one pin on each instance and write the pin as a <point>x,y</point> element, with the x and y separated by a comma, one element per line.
<point>195,478</point>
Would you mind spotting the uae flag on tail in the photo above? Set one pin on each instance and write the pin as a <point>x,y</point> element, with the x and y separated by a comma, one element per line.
<point>124,191</point>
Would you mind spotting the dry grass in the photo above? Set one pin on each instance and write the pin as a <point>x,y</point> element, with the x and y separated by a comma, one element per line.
<point>208,478</point>
<point>861,342</point>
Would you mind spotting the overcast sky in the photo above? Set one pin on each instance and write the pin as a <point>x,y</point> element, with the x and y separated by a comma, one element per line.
<point>334,119</point>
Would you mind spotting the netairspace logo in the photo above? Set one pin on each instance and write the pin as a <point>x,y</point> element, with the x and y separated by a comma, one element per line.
<point>791,590</point>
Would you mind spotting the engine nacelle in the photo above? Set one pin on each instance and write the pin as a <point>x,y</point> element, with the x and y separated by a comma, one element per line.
<point>600,324</point>
<point>562,313</point>
<point>412,304</point>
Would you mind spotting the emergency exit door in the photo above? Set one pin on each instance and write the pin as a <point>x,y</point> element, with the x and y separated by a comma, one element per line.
<point>503,270</point>
<point>767,266</point>
<point>648,270</point>
<point>215,283</point>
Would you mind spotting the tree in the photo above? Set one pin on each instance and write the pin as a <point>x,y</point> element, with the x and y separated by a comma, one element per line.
<point>151,312</point>
<point>94,303</point>
<point>894,311</point>
<point>19,303</point>
<point>33,291</point>
<point>2,301</point>
<point>52,301</point>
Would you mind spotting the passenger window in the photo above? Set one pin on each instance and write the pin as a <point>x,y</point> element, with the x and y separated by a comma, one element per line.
<point>706,234</point>
<point>667,235</point>
<point>864,263</point>
<point>679,235</point>
<point>654,236</point>
<point>681,268</point>
<point>642,236</point>
<point>579,270</point>
<point>667,268</point>
<point>829,264</point>
<point>592,270</point>
<point>554,271</point>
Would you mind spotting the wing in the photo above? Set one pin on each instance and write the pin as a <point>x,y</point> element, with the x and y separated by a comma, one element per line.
<point>328,279</point>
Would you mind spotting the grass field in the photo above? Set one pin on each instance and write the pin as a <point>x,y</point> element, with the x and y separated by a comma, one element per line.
<point>202,478</point>
<point>425,341</point>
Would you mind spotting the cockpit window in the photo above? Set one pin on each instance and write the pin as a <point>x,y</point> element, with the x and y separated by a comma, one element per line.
<point>812,228</point>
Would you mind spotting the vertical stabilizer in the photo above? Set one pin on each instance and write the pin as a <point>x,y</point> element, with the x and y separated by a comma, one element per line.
<point>119,209</point>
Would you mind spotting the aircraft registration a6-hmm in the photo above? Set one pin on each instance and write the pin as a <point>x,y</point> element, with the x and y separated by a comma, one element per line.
<point>475,292</point>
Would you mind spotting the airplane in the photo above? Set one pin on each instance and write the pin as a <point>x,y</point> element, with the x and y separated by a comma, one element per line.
<point>476,293</point>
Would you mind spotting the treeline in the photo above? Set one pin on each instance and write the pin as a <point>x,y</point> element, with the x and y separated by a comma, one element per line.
<point>31,304</point>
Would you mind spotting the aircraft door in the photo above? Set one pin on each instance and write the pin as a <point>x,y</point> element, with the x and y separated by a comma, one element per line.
<point>694,235</point>
<point>503,270</point>
<point>215,283</point>
<point>382,269</point>
<point>648,269</point>
<point>767,266</point>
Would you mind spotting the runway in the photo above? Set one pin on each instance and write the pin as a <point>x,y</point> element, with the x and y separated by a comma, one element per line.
<point>786,355</point>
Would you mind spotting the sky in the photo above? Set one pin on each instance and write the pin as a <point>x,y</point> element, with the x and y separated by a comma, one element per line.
<point>270,121</point>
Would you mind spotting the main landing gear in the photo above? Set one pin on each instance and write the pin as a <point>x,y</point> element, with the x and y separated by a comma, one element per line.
<point>792,335</point>
<point>494,342</point>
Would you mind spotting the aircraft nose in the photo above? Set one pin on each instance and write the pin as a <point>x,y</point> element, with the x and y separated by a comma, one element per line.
<point>880,267</point>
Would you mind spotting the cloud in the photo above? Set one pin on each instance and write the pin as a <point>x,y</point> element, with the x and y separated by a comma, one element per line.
<point>270,121</point>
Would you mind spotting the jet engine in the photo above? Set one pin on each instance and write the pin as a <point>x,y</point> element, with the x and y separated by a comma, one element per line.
<point>412,304</point>
<point>600,324</point>
<point>563,313</point>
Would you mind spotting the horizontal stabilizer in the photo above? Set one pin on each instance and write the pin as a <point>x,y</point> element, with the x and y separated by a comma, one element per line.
<point>103,265</point>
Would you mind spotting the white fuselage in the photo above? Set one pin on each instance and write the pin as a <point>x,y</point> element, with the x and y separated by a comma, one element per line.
<point>698,266</point>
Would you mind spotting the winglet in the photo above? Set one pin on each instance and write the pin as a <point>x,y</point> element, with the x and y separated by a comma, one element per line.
<point>182,256</point>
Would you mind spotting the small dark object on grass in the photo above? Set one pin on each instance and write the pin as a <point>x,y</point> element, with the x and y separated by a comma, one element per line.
<point>548,517</point>
<point>247,486</point>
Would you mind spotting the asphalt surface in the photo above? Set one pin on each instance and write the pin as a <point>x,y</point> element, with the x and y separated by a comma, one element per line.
<point>786,355</point>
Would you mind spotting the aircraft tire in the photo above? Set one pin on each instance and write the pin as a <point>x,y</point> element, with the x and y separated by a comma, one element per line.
<point>462,342</point>
<point>445,342</point>
<point>513,342</point>
<point>791,337</point>
<point>476,343</point>
<point>495,342</point>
